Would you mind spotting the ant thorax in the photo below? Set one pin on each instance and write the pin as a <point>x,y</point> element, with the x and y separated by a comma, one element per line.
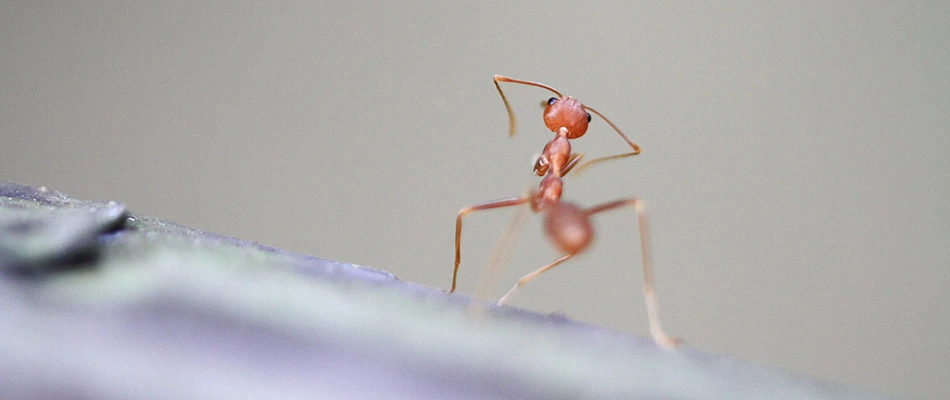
<point>555,154</point>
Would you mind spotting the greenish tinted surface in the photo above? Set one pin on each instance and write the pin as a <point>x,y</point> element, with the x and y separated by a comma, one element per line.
<point>164,311</point>
<point>52,229</point>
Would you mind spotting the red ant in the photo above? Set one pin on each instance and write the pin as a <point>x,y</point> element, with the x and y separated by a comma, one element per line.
<point>566,224</point>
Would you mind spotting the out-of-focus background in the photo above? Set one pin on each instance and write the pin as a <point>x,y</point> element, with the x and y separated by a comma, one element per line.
<point>795,158</point>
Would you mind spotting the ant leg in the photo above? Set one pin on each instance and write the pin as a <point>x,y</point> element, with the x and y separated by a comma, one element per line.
<point>653,314</point>
<point>503,248</point>
<point>542,169</point>
<point>636,149</point>
<point>507,202</point>
<point>587,164</point>
<point>571,162</point>
<point>527,278</point>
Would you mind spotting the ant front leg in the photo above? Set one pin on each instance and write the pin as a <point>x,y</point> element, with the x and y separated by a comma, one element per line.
<point>571,162</point>
<point>653,314</point>
<point>633,146</point>
<point>541,165</point>
<point>507,202</point>
<point>587,164</point>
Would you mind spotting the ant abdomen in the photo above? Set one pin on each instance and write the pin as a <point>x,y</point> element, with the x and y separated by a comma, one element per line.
<point>569,227</point>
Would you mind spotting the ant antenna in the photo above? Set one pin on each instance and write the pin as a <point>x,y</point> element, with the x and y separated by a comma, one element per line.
<point>511,114</point>
<point>636,149</point>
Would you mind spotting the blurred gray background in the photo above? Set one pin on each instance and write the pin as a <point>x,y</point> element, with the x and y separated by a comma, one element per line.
<point>795,158</point>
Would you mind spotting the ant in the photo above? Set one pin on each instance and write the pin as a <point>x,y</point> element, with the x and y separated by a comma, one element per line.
<point>566,224</point>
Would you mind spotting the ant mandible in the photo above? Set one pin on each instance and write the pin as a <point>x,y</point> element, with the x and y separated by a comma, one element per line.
<point>566,224</point>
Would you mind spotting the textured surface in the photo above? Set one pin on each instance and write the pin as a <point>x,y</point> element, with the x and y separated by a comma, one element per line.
<point>43,228</point>
<point>164,311</point>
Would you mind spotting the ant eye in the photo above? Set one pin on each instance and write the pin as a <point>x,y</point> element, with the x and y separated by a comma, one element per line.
<point>588,117</point>
<point>552,100</point>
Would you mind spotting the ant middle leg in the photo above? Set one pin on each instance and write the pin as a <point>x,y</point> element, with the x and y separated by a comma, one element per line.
<point>506,202</point>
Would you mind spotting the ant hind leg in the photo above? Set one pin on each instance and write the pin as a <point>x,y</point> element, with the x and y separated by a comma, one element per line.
<point>653,314</point>
<point>527,278</point>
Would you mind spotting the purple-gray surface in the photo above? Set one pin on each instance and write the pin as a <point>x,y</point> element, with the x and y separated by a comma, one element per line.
<point>100,303</point>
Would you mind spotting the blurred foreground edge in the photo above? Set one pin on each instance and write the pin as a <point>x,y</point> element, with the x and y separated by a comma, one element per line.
<point>100,303</point>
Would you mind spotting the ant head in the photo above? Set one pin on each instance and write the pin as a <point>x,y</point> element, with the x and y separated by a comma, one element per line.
<point>568,113</point>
